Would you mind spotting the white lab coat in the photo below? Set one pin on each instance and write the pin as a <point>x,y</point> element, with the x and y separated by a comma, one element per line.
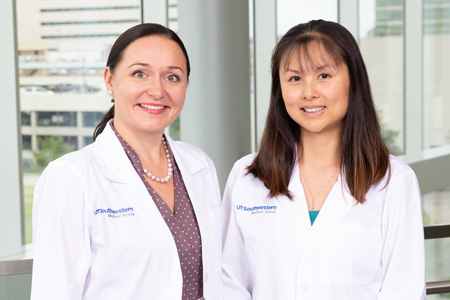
<point>81,252</point>
<point>367,251</point>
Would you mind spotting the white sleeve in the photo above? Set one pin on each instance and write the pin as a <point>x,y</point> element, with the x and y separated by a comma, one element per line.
<point>235,269</point>
<point>403,258</point>
<point>61,238</point>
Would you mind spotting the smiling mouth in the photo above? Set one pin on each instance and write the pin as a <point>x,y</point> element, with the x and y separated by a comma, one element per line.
<point>152,107</point>
<point>314,109</point>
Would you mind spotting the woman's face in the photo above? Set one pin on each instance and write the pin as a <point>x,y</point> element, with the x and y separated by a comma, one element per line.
<point>315,90</point>
<point>149,85</point>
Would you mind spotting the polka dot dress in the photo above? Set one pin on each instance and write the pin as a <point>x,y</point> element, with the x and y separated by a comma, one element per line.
<point>183,226</point>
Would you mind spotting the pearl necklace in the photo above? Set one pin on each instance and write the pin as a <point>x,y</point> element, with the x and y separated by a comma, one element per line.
<point>169,167</point>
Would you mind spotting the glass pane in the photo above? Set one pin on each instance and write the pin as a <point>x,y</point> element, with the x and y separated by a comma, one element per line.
<point>63,48</point>
<point>17,287</point>
<point>436,76</point>
<point>293,12</point>
<point>172,13</point>
<point>437,260</point>
<point>92,118</point>
<point>381,43</point>
<point>436,210</point>
<point>445,296</point>
<point>436,207</point>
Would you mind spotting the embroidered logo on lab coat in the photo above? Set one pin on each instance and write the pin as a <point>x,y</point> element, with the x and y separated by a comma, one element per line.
<point>119,213</point>
<point>258,209</point>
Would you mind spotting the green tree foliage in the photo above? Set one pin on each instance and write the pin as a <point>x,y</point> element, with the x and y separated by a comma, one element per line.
<point>51,147</point>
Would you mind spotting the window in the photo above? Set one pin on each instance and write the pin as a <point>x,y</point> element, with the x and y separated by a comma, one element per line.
<point>26,118</point>
<point>436,128</point>
<point>56,118</point>
<point>92,118</point>
<point>26,142</point>
<point>45,141</point>
<point>63,48</point>
<point>436,75</point>
<point>88,140</point>
<point>293,12</point>
<point>381,44</point>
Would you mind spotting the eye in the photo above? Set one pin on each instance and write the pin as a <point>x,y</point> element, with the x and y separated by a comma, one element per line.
<point>295,78</point>
<point>172,78</point>
<point>324,76</point>
<point>139,74</point>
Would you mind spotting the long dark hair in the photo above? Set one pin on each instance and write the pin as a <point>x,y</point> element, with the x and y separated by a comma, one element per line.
<point>364,155</point>
<point>122,42</point>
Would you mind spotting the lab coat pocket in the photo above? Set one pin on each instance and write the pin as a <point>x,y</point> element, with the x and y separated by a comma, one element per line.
<point>350,254</point>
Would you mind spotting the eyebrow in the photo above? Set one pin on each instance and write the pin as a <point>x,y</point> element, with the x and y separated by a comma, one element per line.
<point>318,68</point>
<point>148,65</point>
<point>324,66</point>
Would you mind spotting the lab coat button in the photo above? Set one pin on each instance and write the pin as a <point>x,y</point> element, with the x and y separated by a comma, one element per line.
<point>206,277</point>
<point>306,287</point>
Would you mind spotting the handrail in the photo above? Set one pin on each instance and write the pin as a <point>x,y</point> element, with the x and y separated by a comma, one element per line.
<point>16,267</point>
<point>438,287</point>
<point>437,231</point>
<point>25,266</point>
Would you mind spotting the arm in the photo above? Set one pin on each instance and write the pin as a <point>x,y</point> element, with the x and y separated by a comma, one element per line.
<point>403,258</point>
<point>60,234</point>
<point>235,269</point>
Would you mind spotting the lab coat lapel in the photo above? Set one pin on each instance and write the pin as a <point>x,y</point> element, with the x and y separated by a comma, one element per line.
<point>192,171</point>
<point>337,204</point>
<point>117,168</point>
<point>297,209</point>
<point>190,168</point>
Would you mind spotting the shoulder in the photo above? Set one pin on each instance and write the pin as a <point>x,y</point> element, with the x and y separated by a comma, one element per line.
<point>190,155</point>
<point>188,148</point>
<point>240,166</point>
<point>239,176</point>
<point>77,158</point>
<point>401,179</point>
<point>400,169</point>
<point>244,162</point>
<point>192,159</point>
<point>72,166</point>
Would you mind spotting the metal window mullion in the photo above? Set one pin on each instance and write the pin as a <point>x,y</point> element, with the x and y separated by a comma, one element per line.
<point>348,16</point>
<point>264,41</point>
<point>154,11</point>
<point>413,72</point>
<point>11,213</point>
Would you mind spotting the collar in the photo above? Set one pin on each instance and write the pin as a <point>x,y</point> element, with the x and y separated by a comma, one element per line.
<point>117,167</point>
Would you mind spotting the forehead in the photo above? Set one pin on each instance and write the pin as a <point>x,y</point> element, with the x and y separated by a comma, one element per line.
<point>153,46</point>
<point>306,57</point>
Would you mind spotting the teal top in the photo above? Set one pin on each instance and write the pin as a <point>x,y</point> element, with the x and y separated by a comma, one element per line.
<point>313,215</point>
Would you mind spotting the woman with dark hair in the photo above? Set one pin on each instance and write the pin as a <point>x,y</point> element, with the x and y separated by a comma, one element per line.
<point>322,211</point>
<point>133,215</point>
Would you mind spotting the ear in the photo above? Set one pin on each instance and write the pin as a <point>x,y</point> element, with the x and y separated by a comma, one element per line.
<point>107,76</point>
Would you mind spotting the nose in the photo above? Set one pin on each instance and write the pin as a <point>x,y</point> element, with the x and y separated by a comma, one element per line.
<point>155,89</point>
<point>310,91</point>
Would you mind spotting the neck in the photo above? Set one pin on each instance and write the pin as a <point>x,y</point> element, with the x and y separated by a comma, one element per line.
<point>320,151</point>
<point>148,146</point>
